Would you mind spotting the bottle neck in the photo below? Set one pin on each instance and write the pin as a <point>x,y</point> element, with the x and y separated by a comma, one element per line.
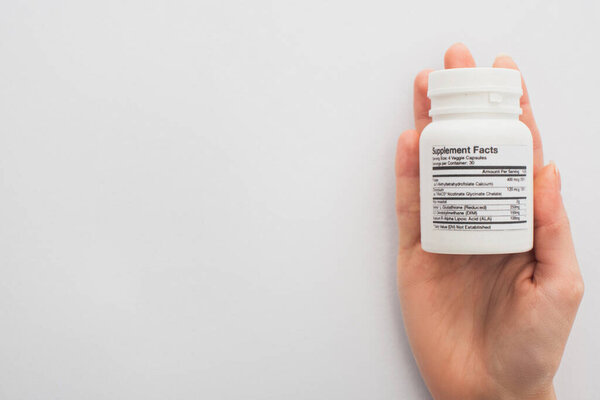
<point>475,115</point>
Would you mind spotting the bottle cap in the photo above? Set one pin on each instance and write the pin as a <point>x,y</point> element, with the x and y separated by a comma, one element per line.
<point>474,90</point>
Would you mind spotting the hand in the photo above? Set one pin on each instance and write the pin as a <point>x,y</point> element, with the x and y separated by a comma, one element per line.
<point>491,326</point>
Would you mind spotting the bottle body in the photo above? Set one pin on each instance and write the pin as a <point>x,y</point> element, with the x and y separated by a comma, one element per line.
<point>476,175</point>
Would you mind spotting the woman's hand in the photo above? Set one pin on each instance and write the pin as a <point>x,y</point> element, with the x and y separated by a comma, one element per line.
<point>492,326</point>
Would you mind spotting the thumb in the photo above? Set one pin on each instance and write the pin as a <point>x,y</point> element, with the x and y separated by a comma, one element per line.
<point>553,244</point>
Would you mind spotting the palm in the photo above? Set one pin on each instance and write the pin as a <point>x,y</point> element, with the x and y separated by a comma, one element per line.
<point>470,298</point>
<point>484,324</point>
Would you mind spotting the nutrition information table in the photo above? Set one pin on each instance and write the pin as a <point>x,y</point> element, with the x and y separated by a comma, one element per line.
<point>479,197</point>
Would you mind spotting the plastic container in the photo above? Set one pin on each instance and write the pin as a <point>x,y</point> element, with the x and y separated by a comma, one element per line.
<point>476,164</point>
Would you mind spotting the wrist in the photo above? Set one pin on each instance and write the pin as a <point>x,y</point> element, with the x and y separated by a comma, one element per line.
<point>547,394</point>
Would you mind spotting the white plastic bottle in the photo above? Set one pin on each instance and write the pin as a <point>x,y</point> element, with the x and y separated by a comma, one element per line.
<point>476,164</point>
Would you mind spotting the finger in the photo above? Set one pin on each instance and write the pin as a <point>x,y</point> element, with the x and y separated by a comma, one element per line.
<point>505,61</point>
<point>458,56</point>
<point>553,245</point>
<point>407,188</point>
<point>421,102</point>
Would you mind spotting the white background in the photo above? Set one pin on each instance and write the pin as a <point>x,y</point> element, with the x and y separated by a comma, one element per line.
<point>196,197</point>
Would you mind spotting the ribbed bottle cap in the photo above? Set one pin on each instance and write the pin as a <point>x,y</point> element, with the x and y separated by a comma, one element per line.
<point>463,90</point>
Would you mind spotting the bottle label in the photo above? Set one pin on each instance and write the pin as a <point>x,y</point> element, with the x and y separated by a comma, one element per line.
<point>479,187</point>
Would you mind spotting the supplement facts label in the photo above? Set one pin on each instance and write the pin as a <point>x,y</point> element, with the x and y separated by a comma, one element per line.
<point>479,187</point>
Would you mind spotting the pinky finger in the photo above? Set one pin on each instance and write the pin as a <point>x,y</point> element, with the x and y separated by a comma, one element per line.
<point>407,188</point>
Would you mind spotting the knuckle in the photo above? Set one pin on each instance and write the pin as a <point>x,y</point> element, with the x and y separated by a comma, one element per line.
<point>572,292</point>
<point>408,209</point>
<point>557,226</point>
<point>578,290</point>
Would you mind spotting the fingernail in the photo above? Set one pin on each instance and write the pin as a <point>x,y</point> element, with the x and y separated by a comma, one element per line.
<point>556,175</point>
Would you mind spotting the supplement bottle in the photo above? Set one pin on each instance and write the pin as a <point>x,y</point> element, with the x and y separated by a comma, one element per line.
<point>476,164</point>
